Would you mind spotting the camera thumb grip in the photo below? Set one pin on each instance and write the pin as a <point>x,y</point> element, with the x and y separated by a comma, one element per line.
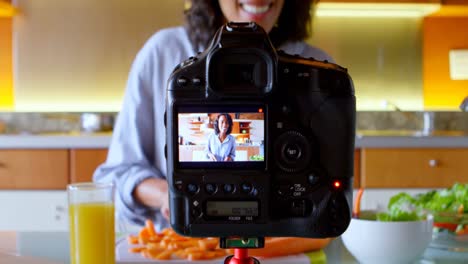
<point>178,206</point>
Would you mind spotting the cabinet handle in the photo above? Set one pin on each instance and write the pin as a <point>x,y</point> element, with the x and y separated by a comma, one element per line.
<point>433,163</point>
<point>59,208</point>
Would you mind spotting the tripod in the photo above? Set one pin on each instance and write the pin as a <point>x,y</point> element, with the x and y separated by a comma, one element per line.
<point>241,249</point>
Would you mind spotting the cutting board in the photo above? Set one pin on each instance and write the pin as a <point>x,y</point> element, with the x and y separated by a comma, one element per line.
<point>123,256</point>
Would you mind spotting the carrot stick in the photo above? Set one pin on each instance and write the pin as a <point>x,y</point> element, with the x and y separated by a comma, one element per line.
<point>357,203</point>
<point>282,246</point>
<point>150,226</point>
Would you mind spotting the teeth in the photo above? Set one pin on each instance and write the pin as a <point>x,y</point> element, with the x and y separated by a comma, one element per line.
<point>255,9</point>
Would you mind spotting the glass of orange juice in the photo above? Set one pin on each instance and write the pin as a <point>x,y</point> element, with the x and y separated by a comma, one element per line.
<point>92,233</point>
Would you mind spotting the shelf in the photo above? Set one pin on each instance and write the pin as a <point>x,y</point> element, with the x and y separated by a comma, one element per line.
<point>196,122</point>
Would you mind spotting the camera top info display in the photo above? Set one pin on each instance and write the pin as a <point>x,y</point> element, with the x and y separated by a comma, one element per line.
<point>259,142</point>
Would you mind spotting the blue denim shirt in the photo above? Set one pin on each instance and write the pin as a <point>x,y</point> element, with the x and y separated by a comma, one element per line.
<point>221,150</point>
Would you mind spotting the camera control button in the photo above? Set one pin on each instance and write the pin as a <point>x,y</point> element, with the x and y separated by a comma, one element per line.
<point>192,188</point>
<point>254,192</point>
<point>285,190</point>
<point>228,188</point>
<point>299,208</point>
<point>178,186</point>
<point>196,81</point>
<point>292,151</point>
<point>182,81</point>
<point>210,188</point>
<point>313,178</point>
<point>246,187</point>
<point>196,212</point>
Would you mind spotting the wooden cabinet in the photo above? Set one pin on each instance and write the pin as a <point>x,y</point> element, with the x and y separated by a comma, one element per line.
<point>83,163</point>
<point>241,130</point>
<point>357,172</point>
<point>32,169</point>
<point>47,169</point>
<point>455,2</point>
<point>413,167</point>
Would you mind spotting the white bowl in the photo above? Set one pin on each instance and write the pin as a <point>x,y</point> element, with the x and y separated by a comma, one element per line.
<point>387,242</point>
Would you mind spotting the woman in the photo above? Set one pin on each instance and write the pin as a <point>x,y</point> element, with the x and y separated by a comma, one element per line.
<point>221,145</point>
<point>136,162</point>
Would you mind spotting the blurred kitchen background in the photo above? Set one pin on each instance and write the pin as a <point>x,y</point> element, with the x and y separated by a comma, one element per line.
<point>64,66</point>
<point>74,56</point>
<point>62,56</point>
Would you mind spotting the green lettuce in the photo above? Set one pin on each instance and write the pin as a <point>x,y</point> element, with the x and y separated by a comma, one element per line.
<point>404,207</point>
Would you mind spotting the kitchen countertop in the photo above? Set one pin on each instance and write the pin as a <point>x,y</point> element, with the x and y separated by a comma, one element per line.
<point>55,141</point>
<point>53,247</point>
<point>60,141</point>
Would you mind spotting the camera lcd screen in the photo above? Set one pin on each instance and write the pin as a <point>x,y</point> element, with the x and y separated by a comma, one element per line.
<point>221,137</point>
<point>232,208</point>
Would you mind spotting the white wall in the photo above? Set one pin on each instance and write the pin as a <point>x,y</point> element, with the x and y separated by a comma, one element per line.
<point>74,55</point>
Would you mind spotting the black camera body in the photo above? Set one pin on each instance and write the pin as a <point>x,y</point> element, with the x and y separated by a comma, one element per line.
<point>293,123</point>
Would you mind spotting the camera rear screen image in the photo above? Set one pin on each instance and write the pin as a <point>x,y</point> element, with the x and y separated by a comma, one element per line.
<point>220,137</point>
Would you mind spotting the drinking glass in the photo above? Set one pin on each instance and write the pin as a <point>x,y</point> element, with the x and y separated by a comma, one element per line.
<point>92,231</point>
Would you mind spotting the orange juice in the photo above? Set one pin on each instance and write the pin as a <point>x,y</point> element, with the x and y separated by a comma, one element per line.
<point>92,234</point>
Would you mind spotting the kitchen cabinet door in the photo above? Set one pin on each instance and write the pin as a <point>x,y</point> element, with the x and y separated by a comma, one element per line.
<point>83,163</point>
<point>34,210</point>
<point>357,173</point>
<point>413,167</point>
<point>33,169</point>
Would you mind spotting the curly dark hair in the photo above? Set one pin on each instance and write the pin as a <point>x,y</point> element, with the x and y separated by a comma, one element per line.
<point>204,17</point>
<point>229,120</point>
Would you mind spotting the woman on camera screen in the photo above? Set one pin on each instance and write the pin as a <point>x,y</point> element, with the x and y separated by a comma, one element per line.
<point>136,161</point>
<point>221,145</point>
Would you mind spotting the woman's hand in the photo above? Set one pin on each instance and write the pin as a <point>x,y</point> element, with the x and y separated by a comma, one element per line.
<point>212,157</point>
<point>165,208</point>
<point>153,192</point>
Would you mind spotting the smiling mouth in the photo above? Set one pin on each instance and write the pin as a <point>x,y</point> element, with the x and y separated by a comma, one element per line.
<point>256,9</point>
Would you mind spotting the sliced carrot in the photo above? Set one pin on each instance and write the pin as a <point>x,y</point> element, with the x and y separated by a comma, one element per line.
<point>143,236</point>
<point>462,231</point>
<point>282,246</point>
<point>357,203</point>
<point>132,240</point>
<point>169,245</point>
<point>208,244</point>
<point>196,256</point>
<point>150,226</point>
<point>164,255</point>
<point>136,249</point>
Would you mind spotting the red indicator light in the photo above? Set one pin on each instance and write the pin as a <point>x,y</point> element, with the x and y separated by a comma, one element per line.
<point>260,110</point>
<point>337,184</point>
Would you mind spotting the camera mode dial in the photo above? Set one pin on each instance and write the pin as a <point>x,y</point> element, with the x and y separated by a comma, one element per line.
<point>292,151</point>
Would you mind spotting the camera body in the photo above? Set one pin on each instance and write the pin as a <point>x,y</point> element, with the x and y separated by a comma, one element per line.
<point>293,123</point>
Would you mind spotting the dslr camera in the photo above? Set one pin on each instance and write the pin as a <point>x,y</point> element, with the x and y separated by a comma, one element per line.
<point>289,127</point>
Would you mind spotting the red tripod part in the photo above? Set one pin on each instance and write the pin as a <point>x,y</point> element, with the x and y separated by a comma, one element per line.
<point>241,256</point>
